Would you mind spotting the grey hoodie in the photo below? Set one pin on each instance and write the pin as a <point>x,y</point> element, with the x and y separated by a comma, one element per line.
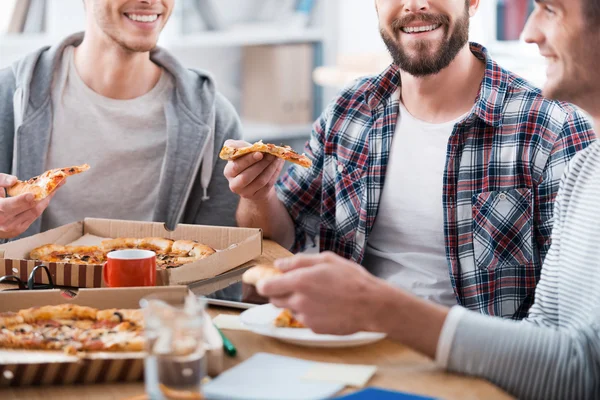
<point>192,189</point>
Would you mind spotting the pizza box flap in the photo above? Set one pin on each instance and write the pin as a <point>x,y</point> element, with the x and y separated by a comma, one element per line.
<point>98,298</point>
<point>19,249</point>
<point>209,267</point>
<point>214,236</point>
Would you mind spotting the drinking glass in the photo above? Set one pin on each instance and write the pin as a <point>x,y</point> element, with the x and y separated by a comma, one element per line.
<point>174,329</point>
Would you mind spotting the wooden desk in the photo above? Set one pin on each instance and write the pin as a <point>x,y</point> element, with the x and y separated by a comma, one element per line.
<point>398,367</point>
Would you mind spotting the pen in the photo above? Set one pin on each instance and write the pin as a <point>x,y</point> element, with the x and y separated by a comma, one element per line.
<point>229,348</point>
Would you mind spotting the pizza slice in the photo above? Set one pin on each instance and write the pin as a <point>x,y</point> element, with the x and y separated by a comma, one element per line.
<point>287,320</point>
<point>69,254</point>
<point>183,252</point>
<point>230,153</point>
<point>43,185</point>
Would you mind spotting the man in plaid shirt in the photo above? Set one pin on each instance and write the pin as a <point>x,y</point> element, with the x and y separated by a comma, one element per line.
<point>438,175</point>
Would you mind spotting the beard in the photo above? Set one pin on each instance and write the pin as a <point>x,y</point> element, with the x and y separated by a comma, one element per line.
<point>427,61</point>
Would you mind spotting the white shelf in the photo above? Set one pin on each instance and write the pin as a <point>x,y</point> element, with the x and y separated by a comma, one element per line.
<point>239,36</point>
<point>254,132</point>
<point>245,36</point>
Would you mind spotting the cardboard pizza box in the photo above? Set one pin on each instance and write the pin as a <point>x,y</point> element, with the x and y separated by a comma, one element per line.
<point>235,246</point>
<point>35,367</point>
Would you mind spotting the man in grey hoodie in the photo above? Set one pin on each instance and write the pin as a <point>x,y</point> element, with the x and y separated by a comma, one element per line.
<point>150,128</point>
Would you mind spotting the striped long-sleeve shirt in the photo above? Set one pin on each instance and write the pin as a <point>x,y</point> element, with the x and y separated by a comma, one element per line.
<point>555,352</point>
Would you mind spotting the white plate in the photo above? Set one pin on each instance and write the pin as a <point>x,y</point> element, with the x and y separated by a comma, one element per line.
<point>260,320</point>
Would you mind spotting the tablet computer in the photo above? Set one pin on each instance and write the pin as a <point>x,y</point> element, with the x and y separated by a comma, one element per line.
<point>224,290</point>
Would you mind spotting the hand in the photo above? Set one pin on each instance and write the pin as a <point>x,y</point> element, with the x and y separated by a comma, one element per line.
<point>252,176</point>
<point>18,213</point>
<point>327,293</point>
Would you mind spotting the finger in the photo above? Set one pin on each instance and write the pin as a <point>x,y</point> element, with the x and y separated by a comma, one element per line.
<point>20,223</point>
<point>278,287</point>
<point>301,261</point>
<point>264,181</point>
<point>263,191</point>
<point>18,204</point>
<point>7,181</point>
<point>43,204</point>
<point>286,284</point>
<point>236,144</point>
<point>244,181</point>
<point>235,168</point>
<point>281,301</point>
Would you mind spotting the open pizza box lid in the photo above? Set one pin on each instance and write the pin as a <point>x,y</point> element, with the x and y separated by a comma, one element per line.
<point>235,246</point>
<point>29,367</point>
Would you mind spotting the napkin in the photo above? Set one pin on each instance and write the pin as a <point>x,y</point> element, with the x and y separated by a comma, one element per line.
<point>225,321</point>
<point>269,377</point>
<point>348,375</point>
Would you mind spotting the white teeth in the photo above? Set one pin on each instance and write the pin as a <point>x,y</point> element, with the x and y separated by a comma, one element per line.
<point>142,18</point>
<point>428,28</point>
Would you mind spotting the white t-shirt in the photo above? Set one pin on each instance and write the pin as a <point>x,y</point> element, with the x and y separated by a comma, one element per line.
<point>406,246</point>
<point>124,142</point>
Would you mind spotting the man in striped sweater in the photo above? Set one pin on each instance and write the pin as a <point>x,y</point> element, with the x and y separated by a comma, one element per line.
<point>555,352</point>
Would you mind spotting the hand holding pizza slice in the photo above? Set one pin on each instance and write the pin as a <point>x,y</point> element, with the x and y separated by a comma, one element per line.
<point>43,185</point>
<point>22,202</point>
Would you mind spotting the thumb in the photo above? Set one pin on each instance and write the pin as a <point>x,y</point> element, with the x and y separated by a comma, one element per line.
<point>299,261</point>
<point>7,181</point>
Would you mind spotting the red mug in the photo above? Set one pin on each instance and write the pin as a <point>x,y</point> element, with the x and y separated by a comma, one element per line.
<point>131,267</point>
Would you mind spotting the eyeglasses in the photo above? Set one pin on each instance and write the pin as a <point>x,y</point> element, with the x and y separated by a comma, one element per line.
<point>31,285</point>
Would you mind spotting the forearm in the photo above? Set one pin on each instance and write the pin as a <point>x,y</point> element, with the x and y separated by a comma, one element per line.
<point>415,322</point>
<point>527,360</point>
<point>271,216</point>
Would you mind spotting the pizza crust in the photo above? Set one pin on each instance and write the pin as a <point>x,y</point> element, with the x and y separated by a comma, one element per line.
<point>44,185</point>
<point>169,253</point>
<point>285,152</point>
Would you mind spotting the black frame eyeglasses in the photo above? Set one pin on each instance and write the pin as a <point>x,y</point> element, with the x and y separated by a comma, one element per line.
<point>30,285</point>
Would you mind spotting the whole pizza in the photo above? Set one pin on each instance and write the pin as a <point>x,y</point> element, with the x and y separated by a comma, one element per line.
<point>72,328</point>
<point>169,253</point>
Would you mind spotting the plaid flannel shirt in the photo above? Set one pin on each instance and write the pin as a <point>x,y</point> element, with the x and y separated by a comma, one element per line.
<point>503,167</point>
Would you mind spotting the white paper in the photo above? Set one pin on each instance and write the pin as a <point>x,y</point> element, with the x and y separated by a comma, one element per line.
<point>349,375</point>
<point>269,377</point>
<point>224,321</point>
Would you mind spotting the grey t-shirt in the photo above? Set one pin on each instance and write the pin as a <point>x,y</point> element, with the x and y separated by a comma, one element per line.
<point>124,142</point>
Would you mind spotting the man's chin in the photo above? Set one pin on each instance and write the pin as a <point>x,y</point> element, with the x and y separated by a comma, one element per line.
<point>138,47</point>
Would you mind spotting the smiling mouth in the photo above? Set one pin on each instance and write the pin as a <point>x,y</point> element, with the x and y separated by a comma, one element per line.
<point>420,29</point>
<point>143,18</point>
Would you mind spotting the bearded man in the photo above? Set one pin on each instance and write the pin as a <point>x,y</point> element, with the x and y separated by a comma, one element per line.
<point>438,175</point>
